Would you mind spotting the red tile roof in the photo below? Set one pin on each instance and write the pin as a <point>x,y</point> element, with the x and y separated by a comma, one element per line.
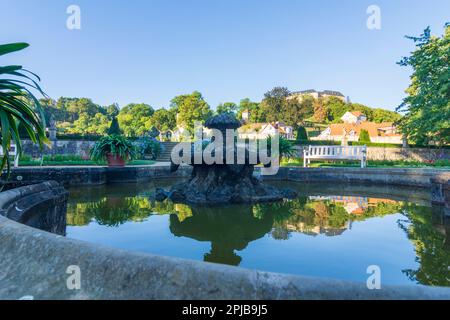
<point>374,129</point>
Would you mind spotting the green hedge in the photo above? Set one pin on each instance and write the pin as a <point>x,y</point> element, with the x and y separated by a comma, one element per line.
<point>356,143</point>
<point>317,143</point>
<point>86,137</point>
<point>374,144</point>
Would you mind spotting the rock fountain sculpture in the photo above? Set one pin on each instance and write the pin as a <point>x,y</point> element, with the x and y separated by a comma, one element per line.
<point>223,182</point>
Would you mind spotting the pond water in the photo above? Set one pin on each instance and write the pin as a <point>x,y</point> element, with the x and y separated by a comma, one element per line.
<point>334,231</point>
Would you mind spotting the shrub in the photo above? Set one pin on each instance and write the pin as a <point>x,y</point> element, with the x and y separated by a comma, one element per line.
<point>364,136</point>
<point>286,147</point>
<point>301,134</point>
<point>83,137</point>
<point>375,144</point>
<point>149,146</point>
<point>318,142</point>
<point>114,128</point>
<point>442,163</point>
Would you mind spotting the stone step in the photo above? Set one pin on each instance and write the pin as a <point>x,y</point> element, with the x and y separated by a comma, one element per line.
<point>165,155</point>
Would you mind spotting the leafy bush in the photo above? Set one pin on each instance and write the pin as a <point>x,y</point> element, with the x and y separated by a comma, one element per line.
<point>286,147</point>
<point>115,145</point>
<point>301,134</point>
<point>149,146</point>
<point>114,128</point>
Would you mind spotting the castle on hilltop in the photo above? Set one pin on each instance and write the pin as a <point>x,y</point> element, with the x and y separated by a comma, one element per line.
<point>318,94</point>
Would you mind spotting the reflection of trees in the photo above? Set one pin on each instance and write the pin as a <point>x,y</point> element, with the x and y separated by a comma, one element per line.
<point>432,246</point>
<point>114,211</point>
<point>232,228</point>
<point>309,217</point>
<point>111,211</point>
<point>380,209</point>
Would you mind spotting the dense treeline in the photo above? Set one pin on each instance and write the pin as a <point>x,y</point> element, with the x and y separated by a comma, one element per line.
<point>82,116</point>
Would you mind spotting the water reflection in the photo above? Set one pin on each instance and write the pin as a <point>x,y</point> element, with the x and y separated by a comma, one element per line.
<point>230,229</point>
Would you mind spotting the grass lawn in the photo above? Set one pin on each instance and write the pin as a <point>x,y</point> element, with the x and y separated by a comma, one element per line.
<point>445,164</point>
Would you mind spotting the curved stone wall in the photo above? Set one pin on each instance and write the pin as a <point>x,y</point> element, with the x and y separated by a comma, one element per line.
<point>41,206</point>
<point>35,263</point>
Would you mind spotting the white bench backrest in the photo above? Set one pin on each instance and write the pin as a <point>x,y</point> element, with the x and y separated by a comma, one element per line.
<point>335,152</point>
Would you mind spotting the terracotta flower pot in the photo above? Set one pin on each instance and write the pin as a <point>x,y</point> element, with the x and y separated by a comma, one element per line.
<point>115,160</point>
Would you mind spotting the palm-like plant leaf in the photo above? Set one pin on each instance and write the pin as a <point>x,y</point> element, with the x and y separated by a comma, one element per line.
<point>16,86</point>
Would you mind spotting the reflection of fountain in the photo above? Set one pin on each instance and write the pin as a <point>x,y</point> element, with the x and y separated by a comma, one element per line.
<point>231,230</point>
<point>223,182</point>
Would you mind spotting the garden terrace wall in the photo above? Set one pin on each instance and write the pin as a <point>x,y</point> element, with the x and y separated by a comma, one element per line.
<point>60,147</point>
<point>82,148</point>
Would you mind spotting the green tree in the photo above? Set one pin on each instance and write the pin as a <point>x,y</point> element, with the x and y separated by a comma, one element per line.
<point>274,103</point>
<point>191,108</point>
<point>164,120</point>
<point>320,111</point>
<point>77,106</point>
<point>277,105</point>
<point>427,105</point>
<point>381,115</point>
<point>112,110</point>
<point>134,119</point>
<point>335,108</point>
<point>256,113</point>
<point>85,124</point>
<point>364,136</point>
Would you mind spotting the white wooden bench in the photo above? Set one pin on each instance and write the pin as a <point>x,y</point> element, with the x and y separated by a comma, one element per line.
<point>12,152</point>
<point>335,153</point>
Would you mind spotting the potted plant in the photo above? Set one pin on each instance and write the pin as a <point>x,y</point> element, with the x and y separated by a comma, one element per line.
<point>115,149</point>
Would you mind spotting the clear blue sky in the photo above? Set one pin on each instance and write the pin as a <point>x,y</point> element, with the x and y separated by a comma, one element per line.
<point>150,51</point>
